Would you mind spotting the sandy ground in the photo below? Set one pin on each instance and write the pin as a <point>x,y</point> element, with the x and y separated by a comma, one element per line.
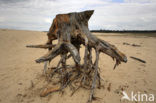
<point>21,79</point>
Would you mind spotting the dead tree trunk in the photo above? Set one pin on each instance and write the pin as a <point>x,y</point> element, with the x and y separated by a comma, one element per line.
<point>71,30</point>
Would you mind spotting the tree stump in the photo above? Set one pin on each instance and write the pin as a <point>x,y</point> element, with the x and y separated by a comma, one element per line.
<point>71,31</point>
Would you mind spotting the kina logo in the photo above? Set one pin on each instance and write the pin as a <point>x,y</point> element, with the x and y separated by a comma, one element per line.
<point>138,97</point>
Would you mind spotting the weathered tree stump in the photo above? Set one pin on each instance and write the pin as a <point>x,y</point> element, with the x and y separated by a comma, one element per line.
<point>71,30</point>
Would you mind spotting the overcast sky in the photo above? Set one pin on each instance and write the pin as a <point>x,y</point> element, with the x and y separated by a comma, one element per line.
<point>109,14</point>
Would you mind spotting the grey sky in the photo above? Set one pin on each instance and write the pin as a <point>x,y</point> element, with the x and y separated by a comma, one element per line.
<point>109,14</point>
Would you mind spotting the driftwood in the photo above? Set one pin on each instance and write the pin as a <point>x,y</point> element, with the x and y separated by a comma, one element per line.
<point>140,60</point>
<point>124,43</point>
<point>71,31</point>
<point>135,45</point>
<point>46,46</point>
<point>48,91</point>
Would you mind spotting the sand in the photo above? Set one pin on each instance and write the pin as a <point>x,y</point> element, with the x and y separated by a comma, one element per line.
<point>21,79</point>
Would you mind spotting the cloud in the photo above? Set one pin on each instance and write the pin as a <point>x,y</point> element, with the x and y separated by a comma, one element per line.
<point>48,20</point>
<point>2,19</point>
<point>125,16</point>
<point>109,14</point>
<point>139,1</point>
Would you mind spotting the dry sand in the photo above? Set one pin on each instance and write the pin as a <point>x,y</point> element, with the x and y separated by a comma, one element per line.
<point>21,79</point>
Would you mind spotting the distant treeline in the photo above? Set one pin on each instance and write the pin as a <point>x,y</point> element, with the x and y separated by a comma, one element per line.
<point>124,31</point>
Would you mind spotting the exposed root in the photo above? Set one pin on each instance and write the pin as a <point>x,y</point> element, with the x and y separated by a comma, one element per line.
<point>71,31</point>
<point>46,46</point>
<point>47,91</point>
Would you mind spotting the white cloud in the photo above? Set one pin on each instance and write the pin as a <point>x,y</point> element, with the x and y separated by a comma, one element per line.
<point>38,14</point>
<point>48,20</point>
<point>140,1</point>
<point>125,16</point>
<point>2,19</point>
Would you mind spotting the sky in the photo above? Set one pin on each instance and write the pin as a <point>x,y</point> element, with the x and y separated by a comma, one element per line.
<point>108,14</point>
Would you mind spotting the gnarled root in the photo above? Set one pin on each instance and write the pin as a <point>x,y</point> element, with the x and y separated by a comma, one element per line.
<point>47,91</point>
<point>71,30</point>
<point>59,49</point>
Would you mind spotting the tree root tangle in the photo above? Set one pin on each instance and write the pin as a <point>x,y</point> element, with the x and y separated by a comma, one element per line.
<point>71,31</point>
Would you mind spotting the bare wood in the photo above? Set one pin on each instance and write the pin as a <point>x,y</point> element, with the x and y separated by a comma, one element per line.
<point>47,91</point>
<point>40,46</point>
<point>138,59</point>
<point>71,31</point>
<point>95,77</point>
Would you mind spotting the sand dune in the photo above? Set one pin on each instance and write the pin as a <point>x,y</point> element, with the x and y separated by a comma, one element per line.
<point>21,79</point>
